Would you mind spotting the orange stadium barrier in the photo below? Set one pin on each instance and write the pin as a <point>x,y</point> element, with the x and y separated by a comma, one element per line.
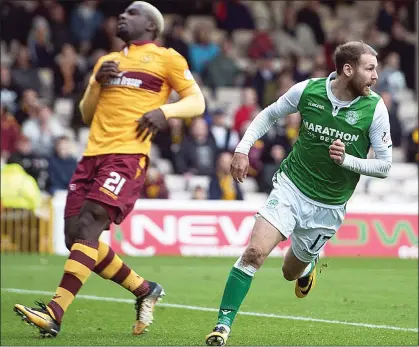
<point>24,231</point>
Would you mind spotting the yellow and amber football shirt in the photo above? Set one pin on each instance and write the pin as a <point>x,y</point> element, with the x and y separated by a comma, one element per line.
<point>148,75</point>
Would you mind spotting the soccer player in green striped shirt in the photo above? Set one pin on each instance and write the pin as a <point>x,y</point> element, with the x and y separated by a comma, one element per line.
<point>341,118</point>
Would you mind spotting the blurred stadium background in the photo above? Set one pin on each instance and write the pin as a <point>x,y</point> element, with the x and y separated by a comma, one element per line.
<point>244,54</point>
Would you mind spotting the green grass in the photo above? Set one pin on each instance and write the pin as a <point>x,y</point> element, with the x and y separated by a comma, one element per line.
<point>370,291</point>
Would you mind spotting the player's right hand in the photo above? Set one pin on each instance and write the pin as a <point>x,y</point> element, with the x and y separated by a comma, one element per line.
<point>109,69</point>
<point>239,167</point>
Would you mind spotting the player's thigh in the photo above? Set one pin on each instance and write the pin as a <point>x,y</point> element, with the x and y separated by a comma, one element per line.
<point>79,187</point>
<point>118,183</point>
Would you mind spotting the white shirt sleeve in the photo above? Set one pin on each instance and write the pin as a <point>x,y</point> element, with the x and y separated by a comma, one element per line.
<point>285,105</point>
<point>380,138</point>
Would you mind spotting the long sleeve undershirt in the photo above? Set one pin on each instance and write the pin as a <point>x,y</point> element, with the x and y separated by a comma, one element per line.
<point>379,132</point>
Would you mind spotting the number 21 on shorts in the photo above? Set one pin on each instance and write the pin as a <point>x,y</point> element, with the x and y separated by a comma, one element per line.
<point>114,183</point>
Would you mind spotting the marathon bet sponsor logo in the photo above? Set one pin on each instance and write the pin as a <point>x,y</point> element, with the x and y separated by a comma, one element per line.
<point>312,104</point>
<point>333,133</point>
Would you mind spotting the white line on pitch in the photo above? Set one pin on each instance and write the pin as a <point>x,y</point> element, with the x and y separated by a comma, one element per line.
<point>208,309</point>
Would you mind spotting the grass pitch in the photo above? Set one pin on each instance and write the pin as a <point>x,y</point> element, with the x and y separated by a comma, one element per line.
<point>356,302</point>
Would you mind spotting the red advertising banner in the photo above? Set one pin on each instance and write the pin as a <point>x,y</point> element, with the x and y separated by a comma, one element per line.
<point>225,232</point>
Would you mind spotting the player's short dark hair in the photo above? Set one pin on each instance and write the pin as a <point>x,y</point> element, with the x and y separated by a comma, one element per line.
<point>350,53</point>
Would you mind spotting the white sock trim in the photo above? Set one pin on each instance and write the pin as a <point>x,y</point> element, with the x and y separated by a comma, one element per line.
<point>226,327</point>
<point>307,271</point>
<point>247,269</point>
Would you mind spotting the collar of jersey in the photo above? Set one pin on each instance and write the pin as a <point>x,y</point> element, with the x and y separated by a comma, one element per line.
<point>330,95</point>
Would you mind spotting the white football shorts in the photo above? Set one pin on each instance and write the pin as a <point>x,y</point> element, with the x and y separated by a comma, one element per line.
<point>309,224</point>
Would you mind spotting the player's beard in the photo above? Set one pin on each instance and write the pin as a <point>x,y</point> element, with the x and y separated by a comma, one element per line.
<point>358,87</point>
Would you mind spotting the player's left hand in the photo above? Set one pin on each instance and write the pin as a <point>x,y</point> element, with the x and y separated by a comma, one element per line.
<point>150,123</point>
<point>337,151</point>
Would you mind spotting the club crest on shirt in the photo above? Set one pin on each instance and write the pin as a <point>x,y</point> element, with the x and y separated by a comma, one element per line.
<point>351,117</point>
<point>147,58</point>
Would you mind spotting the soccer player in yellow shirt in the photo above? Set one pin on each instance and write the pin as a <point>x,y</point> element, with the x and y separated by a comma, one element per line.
<point>124,105</point>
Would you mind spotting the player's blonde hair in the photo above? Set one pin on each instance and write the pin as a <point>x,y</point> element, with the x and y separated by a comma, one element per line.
<point>153,13</point>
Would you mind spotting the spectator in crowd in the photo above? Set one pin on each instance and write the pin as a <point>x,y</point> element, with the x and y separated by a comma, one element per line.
<point>261,44</point>
<point>174,38</point>
<point>39,43</point>
<point>61,165</point>
<point>44,9</point>
<point>386,16</point>
<point>264,81</point>
<point>85,20</point>
<point>202,50</point>
<point>225,138</point>
<point>277,154</point>
<point>18,189</point>
<point>375,38</point>
<point>232,15</point>
<point>154,186</point>
<point>10,132</point>
<point>310,15</point>
<point>68,75</point>
<point>23,73</point>
<point>60,33</point>
<point>247,108</point>
<point>15,22</point>
<point>198,151</point>
<point>10,92</point>
<point>169,141</point>
<point>255,153</point>
<point>199,193</point>
<point>395,125</point>
<point>105,38</point>
<point>338,36</point>
<point>35,165</point>
<point>294,37</point>
<point>399,43</point>
<point>222,70</point>
<point>391,79</point>
<point>42,131</point>
<point>222,186</point>
<point>412,154</point>
<point>29,106</point>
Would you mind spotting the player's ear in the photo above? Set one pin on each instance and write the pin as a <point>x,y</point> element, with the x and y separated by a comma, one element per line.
<point>348,70</point>
<point>152,26</point>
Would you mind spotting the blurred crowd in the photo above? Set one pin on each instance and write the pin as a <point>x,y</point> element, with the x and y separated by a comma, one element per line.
<point>49,48</point>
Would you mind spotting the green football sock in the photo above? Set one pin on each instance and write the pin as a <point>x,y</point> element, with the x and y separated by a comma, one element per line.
<point>237,286</point>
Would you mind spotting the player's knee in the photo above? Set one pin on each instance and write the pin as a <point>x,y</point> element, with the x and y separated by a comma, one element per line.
<point>288,274</point>
<point>253,255</point>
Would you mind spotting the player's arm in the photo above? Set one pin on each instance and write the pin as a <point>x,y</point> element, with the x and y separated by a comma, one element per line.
<point>101,72</point>
<point>285,105</point>
<point>381,143</point>
<point>192,102</point>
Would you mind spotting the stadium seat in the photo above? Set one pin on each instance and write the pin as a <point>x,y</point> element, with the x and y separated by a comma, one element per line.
<point>401,171</point>
<point>180,195</point>
<point>257,199</point>
<point>249,185</point>
<point>175,183</point>
<point>379,188</point>
<point>410,188</point>
<point>165,166</point>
